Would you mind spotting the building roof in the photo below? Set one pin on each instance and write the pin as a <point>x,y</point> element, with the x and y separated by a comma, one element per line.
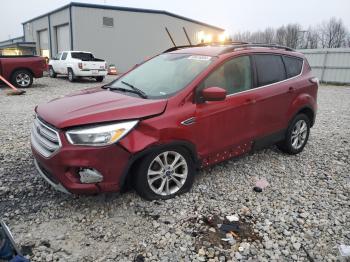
<point>18,44</point>
<point>119,8</point>
<point>12,40</point>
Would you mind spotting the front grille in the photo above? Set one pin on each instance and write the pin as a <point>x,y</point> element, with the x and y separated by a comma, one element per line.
<point>45,139</point>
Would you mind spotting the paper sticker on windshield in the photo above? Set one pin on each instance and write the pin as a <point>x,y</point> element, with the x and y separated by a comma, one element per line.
<point>199,57</point>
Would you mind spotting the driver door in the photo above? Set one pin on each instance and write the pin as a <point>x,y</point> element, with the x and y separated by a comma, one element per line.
<point>225,128</point>
<point>55,62</point>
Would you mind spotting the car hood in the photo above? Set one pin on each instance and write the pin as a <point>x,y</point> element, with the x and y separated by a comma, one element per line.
<point>95,106</point>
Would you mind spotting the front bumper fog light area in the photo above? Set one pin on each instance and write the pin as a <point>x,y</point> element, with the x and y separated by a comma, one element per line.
<point>90,176</point>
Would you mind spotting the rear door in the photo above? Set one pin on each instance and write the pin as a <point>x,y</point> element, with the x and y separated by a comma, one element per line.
<point>273,92</point>
<point>224,128</point>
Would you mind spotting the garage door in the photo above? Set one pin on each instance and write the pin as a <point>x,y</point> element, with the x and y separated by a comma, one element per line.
<point>44,43</point>
<point>62,33</point>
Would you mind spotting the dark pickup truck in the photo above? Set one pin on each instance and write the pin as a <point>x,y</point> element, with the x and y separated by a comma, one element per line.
<point>20,70</point>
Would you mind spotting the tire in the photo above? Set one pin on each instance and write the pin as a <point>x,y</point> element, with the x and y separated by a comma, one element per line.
<point>22,78</point>
<point>151,163</point>
<point>71,76</point>
<point>99,78</point>
<point>52,72</point>
<point>297,135</point>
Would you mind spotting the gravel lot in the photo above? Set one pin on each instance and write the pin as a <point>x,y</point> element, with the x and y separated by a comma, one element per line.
<point>301,216</point>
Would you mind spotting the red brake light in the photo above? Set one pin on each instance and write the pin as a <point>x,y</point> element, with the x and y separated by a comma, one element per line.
<point>80,65</point>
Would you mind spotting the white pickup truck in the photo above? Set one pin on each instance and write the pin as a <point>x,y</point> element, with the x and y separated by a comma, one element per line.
<point>77,64</point>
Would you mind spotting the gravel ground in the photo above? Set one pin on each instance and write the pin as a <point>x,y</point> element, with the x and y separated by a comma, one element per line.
<point>301,216</point>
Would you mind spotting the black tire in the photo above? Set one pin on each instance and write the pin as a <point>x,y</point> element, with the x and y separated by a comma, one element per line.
<point>22,78</point>
<point>287,144</point>
<point>71,76</point>
<point>52,72</point>
<point>141,183</point>
<point>99,78</point>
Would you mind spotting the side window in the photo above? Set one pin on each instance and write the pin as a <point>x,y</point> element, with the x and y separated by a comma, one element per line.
<point>58,56</point>
<point>293,65</point>
<point>235,76</point>
<point>269,68</point>
<point>64,56</point>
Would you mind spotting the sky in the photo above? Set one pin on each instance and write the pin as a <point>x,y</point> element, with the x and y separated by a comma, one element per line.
<point>232,15</point>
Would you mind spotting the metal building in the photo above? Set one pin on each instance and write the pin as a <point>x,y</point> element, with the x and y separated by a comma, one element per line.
<point>123,36</point>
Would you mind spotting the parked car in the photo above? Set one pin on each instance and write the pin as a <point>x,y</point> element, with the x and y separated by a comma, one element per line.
<point>179,111</point>
<point>77,64</point>
<point>20,70</point>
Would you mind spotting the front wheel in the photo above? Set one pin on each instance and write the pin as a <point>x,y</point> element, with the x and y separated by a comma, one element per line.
<point>22,78</point>
<point>52,72</point>
<point>297,135</point>
<point>165,174</point>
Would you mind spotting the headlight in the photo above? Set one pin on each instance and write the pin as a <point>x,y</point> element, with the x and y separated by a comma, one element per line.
<point>100,135</point>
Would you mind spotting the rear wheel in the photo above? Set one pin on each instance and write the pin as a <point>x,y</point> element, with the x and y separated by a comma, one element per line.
<point>99,78</point>
<point>165,173</point>
<point>297,135</point>
<point>22,78</point>
<point>52,72</point>
<point>71,76</point>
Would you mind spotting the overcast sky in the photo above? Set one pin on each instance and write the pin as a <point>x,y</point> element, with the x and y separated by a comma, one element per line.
<point>233,15</point>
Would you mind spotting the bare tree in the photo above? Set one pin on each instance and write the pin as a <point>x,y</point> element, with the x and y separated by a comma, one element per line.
<point>281,35</point>
<point>333,33</point>
<point>292,35</point>
<point>330,34</point>
<point>312,38</point>
<point>269,35</point>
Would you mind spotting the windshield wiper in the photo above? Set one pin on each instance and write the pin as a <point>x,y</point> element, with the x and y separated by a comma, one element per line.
<point>137,91</point>
<point>124,90</point>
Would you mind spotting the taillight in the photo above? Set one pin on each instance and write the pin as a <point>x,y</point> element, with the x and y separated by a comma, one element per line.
<point>106,67</point>
<point>80,65</point>
<point>314,80</point>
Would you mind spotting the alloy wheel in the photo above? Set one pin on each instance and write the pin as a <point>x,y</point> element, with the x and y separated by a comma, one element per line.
<point>299,134</point>
<point>23,79</point>
<point>167,173</point>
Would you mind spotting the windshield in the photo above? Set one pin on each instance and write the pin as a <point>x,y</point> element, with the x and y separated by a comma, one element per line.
<point>165,74</point>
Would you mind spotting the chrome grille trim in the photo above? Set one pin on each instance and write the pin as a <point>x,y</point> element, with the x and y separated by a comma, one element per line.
<point>45,140</point>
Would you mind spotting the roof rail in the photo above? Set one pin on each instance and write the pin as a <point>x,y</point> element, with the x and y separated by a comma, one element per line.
<point>247,45</point>
<point>231,46</point>
<point>204,44</point>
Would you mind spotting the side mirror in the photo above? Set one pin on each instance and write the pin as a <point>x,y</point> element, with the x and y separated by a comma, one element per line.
<point>214,94</point>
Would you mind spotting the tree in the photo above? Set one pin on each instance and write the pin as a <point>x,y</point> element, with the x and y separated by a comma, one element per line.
<point>333,33</point>
<point>281,35</point>
<point>312,38</point>
<point>292,35</point>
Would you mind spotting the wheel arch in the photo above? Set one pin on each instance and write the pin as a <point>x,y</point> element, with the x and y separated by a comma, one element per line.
<point>304,103</point>
<point>132,164</point>
<point>308,111</point>
<point>21,68</point>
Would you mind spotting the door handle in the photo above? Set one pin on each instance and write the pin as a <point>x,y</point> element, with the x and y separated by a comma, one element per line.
<point>291,89</point>
<point>250,101</point>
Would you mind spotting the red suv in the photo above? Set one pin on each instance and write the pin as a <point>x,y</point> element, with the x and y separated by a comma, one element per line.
<point>185,109</point>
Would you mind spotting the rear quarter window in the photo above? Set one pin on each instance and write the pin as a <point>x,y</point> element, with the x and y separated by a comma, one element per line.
<point>83,56</point>
<point>293,65</point>
<point>270,69</point>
